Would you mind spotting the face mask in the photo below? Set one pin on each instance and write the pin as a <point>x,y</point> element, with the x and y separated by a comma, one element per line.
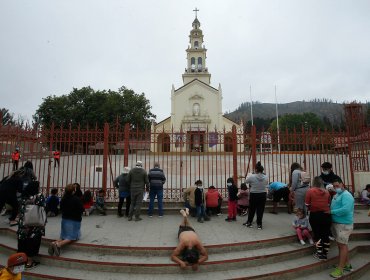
<point>338,190</point>
<point>229,184</point>
<point>325,172</point>
<point>200,186</point>
<point>18,269</point>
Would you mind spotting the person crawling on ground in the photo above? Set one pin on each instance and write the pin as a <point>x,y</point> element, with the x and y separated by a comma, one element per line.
<point>189,251</point>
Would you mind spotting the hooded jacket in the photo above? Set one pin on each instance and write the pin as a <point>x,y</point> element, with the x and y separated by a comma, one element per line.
<point>258,183</point>
<point>317,199</point>
<point>212,197</point>
<point>121,183</point>
<point>137,179</point>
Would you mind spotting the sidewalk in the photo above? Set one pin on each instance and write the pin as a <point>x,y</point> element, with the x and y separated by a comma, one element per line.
<point>162,232</point>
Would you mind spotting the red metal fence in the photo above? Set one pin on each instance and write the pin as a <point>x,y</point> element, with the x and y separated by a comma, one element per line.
<point>94,156</point>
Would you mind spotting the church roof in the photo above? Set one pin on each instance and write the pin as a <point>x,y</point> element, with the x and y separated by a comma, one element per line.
<point>230,120</point>
<point>192,81</point>
<point>163,121</point>
<point>196,21</point>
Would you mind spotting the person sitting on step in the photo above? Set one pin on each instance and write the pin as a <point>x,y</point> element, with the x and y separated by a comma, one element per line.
<point>52,203</point>
<point>88,202</point>
<point>189,251</point>
<point>213,201</point>
<point>100,203</point>
<point>300,225</point>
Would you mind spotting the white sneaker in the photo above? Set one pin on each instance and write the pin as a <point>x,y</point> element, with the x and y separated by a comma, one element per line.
<point>302,242</point>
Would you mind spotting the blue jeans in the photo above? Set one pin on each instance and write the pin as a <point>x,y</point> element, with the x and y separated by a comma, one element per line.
<point>200,211</point>
<point>152,195</point>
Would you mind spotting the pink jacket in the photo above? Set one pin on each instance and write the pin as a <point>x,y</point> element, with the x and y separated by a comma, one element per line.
<point>243,198</point>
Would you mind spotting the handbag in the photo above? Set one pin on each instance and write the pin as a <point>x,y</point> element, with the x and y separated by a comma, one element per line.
<point>34,215</point>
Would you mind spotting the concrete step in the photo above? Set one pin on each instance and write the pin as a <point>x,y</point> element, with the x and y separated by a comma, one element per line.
<point>301,266</point>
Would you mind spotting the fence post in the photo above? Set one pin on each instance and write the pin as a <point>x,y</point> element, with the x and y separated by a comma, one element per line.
<point>235,157</point>
<point>126,147</point>
<point>105,156</point>
<point>50,157</point>
<point>254,147</point>
<point>351,163</point>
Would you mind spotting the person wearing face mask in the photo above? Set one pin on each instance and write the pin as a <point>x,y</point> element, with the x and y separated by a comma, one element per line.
<point>342,210</point>
<point>232,189</point>
<point>200,202</point>
<point>15,267</point>
<point>328,176</point>
<point>72,209</point>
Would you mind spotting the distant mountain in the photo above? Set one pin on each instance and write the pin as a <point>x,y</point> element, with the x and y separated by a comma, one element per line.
<point>326,110</point>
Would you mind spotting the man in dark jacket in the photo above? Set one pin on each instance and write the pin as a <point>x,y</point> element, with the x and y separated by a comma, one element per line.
<point>123,187</point>
<point>138,181</point>
<point>327,174</point>
<point>156,180</point>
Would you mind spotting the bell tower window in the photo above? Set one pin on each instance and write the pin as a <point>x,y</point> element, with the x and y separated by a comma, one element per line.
<point>196,44</point>
<point>192,62</point>
<point>199,63</point>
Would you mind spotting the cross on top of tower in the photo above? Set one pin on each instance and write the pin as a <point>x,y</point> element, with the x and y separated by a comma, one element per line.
<point>196,10</point>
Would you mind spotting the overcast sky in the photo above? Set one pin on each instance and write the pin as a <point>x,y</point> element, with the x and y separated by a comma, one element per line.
<point>308,49</point>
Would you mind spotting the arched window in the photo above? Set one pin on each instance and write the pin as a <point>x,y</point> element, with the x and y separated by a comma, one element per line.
<point>199,63</point>
<point>196,44</point>
<point>192,62</point>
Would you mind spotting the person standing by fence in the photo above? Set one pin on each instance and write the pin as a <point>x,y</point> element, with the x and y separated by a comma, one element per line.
<point>138,181</point>
<point>298,186</point>
<point>56,155</point>
<point>258,183</point>
<point>123,191</point>
<point>156,179</point>
<point>15,158</point>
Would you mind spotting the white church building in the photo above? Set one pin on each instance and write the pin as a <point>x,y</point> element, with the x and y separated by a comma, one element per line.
<point>196,122</point>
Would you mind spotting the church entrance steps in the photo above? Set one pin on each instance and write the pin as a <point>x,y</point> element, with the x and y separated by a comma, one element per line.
<point>286,267</point>
<point>114,248</point>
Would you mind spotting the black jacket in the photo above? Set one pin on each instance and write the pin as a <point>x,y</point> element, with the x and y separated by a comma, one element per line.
<point>72,208</point>
<point>329,179</point>
<point>233,192</point>
<point>199,197</point>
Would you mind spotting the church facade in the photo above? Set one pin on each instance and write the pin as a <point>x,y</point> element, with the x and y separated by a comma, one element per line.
<point>196,122</point>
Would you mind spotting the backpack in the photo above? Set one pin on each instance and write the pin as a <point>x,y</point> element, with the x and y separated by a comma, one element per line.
<point>305,177</point>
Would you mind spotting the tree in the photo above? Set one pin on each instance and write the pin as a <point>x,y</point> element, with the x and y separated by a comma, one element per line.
<point>86,106</point>
<point>291,121</point>
<point>7,118</point>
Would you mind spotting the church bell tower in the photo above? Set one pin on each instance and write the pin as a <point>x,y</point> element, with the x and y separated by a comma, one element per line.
<point>196,56</point>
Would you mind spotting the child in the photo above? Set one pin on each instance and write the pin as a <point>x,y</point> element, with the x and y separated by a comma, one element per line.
<point>300,224</point>
<point>233,197</point>
<point>213,199</point>
<point>52,203</point>
<point>200,202</point>
<point>87,201</point>
<point>243,200</point>
<point>99,203</point>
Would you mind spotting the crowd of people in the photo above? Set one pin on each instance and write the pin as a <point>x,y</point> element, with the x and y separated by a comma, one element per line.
<point>322,204</point>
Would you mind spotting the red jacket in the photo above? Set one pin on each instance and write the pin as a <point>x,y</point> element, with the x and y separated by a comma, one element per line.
<point>56,155</point>
<point>212,197</point>
<point>317,200</point>
<point>16,155</point>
